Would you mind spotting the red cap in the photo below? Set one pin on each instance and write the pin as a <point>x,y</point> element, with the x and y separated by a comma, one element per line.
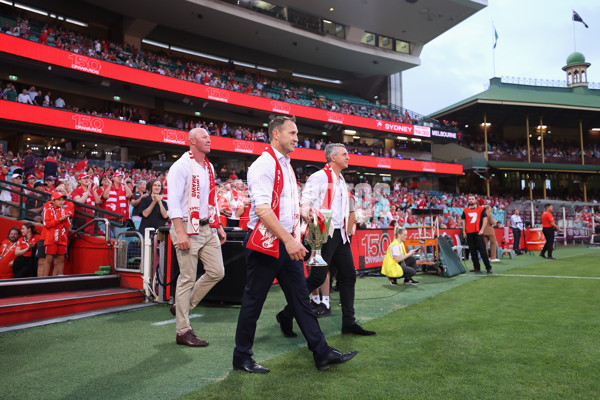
<point>82,175</point>
<point>119,173</point>
<point>57,195</point>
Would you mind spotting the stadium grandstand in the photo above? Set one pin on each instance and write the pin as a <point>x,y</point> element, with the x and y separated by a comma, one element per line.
<point>104,87</point>
<point>98,96</point>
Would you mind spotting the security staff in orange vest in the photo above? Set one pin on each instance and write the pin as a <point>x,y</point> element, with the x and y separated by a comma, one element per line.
<point>548,227</point>
<point>473,221</point>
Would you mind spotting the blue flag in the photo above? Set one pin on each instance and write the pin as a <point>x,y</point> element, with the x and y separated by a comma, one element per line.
<point>495,37</point>
<point>577,18</point>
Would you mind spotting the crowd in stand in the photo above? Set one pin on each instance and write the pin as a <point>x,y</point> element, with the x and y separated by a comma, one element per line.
<point>139,196</point>
<point>32,95</point>
<point>225,77</point>
<point>561,152</point>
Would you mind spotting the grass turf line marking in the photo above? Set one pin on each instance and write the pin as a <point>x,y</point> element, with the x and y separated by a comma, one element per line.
<point>172,321</point>
<point>550,276</point>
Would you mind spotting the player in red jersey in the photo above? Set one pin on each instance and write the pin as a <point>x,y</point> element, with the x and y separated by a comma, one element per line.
<point>473,222</point>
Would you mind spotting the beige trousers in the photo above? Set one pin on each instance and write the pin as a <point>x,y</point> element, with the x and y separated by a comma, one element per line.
<point>206,247</point>
<point>490,240</point>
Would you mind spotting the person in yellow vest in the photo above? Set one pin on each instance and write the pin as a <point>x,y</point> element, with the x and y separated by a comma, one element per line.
<point>398,262</point>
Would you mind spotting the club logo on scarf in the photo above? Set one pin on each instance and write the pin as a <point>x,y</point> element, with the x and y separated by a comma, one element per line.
<point>194,218</point>
<point>195,210</point>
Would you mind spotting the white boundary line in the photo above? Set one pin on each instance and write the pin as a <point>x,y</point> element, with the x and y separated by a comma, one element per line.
<point>550,276</point>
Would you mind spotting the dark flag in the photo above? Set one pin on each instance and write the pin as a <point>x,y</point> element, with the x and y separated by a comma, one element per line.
<point>577,18</point>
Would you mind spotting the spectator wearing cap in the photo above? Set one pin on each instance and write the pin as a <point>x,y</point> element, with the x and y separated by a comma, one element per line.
<point>56,224</point>
<point>86,193</point>
<point>30,181</point>
<point>116,196</point>
<point>49,182</point>
<point>50,166</point>
<point>12,199</point>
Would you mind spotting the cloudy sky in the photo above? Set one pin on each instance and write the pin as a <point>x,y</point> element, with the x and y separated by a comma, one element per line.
<point>534,39</point>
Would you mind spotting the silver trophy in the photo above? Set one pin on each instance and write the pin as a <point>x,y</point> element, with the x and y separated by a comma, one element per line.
<point>317,235</point>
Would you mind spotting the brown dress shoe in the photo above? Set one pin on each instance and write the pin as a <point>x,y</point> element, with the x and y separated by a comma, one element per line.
<point>173,309</point>
<point>191,340</point>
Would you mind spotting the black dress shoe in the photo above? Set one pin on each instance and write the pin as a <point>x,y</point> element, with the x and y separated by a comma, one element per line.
<point>286,325</point>
<point>322,310</point>
<point>551,258</point>
<point>356,329</point>
<point>333,357</point>
<point>477,271</point>
<point>542,255</point>
<point>191,340</point>
<point>250,366</point>
<point>173,309</point>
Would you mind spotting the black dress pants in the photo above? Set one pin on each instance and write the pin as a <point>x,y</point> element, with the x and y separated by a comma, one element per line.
<point>549,236</point>
<point>340,263</point>
<point>516,240</point>
<point>262,269</point>
<point>476,244</point>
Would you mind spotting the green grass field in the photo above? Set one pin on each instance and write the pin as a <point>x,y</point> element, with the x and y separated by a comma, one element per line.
<point>528,332</point>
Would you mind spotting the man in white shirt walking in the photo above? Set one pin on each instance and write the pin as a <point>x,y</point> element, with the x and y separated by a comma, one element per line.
<point>326,189</point>
<point>195,231</point>
<point>273,250</point>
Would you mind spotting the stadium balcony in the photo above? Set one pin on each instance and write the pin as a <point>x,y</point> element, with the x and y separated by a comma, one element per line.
<point>179,67</point>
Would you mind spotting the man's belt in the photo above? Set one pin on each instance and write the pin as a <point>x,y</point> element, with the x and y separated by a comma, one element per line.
<point>203,222</point>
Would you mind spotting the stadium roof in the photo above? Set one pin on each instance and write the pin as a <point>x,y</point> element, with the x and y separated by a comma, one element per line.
<point>580,98</point>
<point>508,103</point>
<point>262,36</point>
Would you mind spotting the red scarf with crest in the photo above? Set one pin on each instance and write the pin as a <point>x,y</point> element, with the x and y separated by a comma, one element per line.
<point>261,239</point>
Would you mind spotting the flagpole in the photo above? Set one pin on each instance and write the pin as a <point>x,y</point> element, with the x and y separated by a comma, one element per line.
<point>494,62</point>
<point>494,50</point>
<point>574,42</point>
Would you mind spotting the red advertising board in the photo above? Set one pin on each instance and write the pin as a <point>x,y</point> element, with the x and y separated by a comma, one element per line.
<point>51,55</point>
<point>106,126</point>
<point>370,245</point>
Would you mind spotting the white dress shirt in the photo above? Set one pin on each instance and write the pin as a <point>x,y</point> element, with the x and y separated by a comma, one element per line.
<point>178,182</point>
<point>516,222</point>
<point>314,193</point>
<point>261,178</point>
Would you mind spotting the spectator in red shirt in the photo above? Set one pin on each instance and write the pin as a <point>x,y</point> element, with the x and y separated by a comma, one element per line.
<point>86,193</point>
<point>116,197</point>
<point>7,253</point>
<point>24,264</point>
<point>50,182</point>
<point>56,223</point>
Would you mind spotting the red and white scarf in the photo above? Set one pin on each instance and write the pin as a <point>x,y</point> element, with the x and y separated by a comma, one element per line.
<point>329,196</point>
<point>261,239</point>
<point>193,226</point>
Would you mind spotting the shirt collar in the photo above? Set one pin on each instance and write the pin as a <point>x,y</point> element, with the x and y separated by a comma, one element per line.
<point>280,156</point>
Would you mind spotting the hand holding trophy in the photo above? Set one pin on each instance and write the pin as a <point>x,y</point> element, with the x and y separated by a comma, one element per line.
<point>317,235</point>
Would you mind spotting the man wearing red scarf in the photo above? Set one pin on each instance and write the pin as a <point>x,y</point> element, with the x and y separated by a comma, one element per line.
<point>326,189</point>
<point>273,250</point>
<point>196,231</point>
